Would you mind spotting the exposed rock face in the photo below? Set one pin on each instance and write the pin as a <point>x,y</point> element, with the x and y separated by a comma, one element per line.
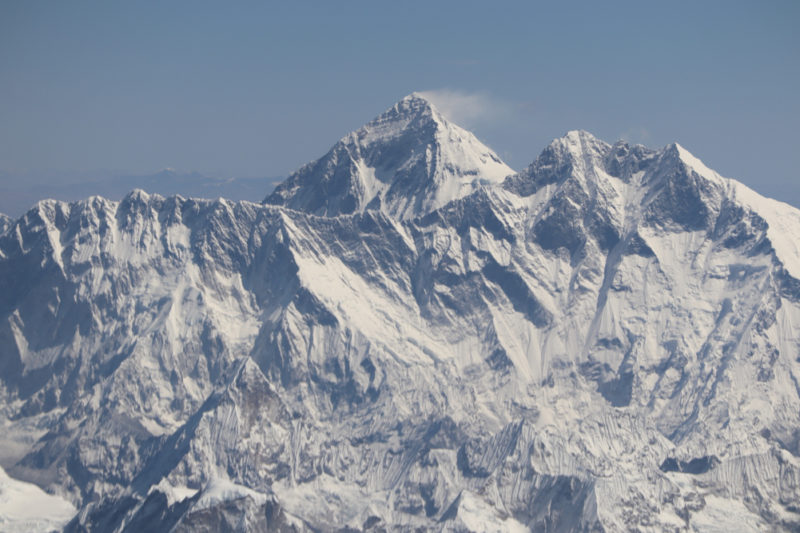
<point>605,341</point>
<point>408,161</point>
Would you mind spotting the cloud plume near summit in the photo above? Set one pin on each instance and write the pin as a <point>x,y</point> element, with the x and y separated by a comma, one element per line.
<point>467,108</point>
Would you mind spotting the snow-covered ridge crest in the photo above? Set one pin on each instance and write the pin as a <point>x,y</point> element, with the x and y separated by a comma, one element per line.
<point>607,340</point>
<point>782,219</point>
<point>406,162</point>
<point>669,186</point>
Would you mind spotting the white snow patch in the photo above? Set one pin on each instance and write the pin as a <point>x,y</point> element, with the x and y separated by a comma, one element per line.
<point>220,490</point>
<point>326,500</point>
<point>721,515</point>
<point>175,493</point>
<point>26,507</point>
<point>477,515</point>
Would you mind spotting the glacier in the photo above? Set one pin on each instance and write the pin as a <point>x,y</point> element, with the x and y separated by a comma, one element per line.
<point>407,334</point>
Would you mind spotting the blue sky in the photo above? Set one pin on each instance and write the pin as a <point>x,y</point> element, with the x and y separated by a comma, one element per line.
<point>92,89</point>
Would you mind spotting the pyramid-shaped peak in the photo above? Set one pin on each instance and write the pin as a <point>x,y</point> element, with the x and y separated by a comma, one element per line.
<point>676,150</point>
<point>416,101</point>
<point>413,111</point>
<point>412,106</point>
<point>406,162</point>
<point>676,153</point>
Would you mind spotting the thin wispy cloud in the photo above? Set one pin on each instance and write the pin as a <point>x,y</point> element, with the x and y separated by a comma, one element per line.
<point>467,109</point>
<point>636,135</point>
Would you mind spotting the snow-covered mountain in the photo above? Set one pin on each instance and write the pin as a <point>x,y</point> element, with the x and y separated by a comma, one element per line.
<point>408,161</point>
<point>19,192</point>
<point>608,340</point>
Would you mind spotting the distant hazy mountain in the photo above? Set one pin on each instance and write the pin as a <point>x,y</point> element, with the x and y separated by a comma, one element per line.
<point>5,222</point>
<point>608,340</point>
<point>18,195</point>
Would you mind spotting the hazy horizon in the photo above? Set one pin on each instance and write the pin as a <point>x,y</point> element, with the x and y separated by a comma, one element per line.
<point>99,90</point>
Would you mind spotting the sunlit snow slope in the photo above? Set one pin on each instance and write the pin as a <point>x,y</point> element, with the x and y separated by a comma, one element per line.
<point>606,341</point>
<point>25,507</point>
<point>408,161</point>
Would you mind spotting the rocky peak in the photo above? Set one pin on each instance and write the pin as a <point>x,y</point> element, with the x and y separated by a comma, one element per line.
<point>406,162</point>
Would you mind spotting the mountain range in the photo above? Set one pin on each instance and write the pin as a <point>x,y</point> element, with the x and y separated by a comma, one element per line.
<point>407,334</point>
<point>20,191</point>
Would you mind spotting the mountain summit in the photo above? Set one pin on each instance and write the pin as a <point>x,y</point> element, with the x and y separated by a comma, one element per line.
<point>605,341</point>
<point>406,162</point>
